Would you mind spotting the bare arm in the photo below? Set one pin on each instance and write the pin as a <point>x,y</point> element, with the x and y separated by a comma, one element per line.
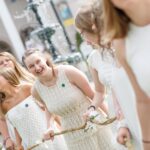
<point>18,141</point>
<point>50,117</point>
<point>121,55</point>
<point>78,78</point>
<point>4,131</point>
<point>143,101</point>
<point>99,89</point>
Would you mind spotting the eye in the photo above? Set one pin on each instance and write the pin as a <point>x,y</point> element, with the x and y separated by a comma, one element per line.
<point>7,60</point>
<point>31,66</point>
<point>1,62</point>
<point>38,61</point>
<point>2,97</point>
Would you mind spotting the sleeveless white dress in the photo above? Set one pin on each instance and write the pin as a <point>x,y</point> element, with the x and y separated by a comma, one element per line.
<point>137,45</point>
<point>67,101</point>
<point>30,121</point>
<point>126,98</point>
<point>105,65</point>
<point>138,54</point>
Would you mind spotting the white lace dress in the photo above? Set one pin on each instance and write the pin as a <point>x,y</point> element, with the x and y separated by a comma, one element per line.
<point>117,79</point>
<point>105,65</point>
<point>30,121</point>
<point>67,101</point>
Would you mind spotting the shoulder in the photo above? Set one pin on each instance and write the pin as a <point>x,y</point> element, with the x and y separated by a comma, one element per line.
<point>119,44</point>
<point>93,54</point>
<point>25,88</point>
<point>65,68</point>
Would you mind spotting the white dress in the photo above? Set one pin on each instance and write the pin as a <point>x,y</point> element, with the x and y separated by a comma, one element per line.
<point>105,65</point>
<point>30,121</point>
<point>138,54</point>
<point>67,101</point>
<point>137,45</point>
<point>126,98</point>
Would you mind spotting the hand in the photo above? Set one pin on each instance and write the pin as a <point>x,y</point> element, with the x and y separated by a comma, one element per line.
<point>49,134</point>
<point>86,115</point>
<point>19,147</point>
<point>123,135</point>
<point>9,145</point>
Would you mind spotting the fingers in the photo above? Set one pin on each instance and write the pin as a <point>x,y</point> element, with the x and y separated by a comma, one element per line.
<point>122,139</point>
<point>85,116</point>
<point>49,135</point>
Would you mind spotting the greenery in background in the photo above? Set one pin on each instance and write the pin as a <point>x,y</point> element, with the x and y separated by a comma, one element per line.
<point>79,40</point>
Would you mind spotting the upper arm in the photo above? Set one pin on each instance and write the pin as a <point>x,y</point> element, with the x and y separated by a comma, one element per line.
<point>36,95</point>
<point>79,79</point>
<point>99,87</point>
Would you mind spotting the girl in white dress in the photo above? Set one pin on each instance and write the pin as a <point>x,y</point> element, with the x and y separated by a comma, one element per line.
<point>102,62</point>
<point>7,60</point>
<point>132,44</point>
<point>66,92</point>
<point>28,119</point>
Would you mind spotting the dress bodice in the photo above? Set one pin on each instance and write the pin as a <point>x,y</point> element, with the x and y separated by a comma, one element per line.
<point>138,54</point>
<point>29,120</point>
<point>63,98</point>
<point>104,64</point>
<point>69,102</point>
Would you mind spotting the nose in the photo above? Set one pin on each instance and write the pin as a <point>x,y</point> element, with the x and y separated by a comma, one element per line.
<point>5,63</point>
<point>37,68</point>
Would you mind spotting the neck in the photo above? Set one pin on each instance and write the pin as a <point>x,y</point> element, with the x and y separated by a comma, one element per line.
<point>48,77</point>
<point>12,91</point>
<point>142,17</point>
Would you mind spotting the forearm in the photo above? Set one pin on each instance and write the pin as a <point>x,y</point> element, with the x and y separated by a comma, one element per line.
<point>18,138</point>
<point>137,89</point>
<point>98,99</point>
<point>117,107</point>
<point>4,128</point>
<point>49,118</point>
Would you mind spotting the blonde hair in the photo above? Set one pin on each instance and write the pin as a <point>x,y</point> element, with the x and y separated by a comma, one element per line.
<point>21,71</point>
<point>45,55</point>
<point>89,19</point>
<point>87,15</point>
<point>116,22</point>
<point>11,76</point>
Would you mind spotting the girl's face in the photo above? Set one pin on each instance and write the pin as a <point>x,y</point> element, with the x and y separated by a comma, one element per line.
<point>91,38</point>
<point>36,64</point>
<point>6,62</point>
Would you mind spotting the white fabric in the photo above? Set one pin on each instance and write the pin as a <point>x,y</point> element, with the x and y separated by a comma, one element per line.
<point>105,65</point>
<point>67,101</point>
<point>109,73</point>
<point>126,98</point>
<point>30,121</point>
<point>138,54</point>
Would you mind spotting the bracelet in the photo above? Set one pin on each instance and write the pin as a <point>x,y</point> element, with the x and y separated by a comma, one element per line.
<point>92,106</point>
<point>5,140</point>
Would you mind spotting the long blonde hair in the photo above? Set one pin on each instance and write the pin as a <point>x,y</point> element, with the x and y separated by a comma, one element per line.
<point>21,71</point>
<point>116,22</point>
<point>13,79</point>
<point>11,76</point>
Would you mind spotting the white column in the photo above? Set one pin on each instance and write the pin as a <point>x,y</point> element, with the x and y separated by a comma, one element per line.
<point>11,30</point>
